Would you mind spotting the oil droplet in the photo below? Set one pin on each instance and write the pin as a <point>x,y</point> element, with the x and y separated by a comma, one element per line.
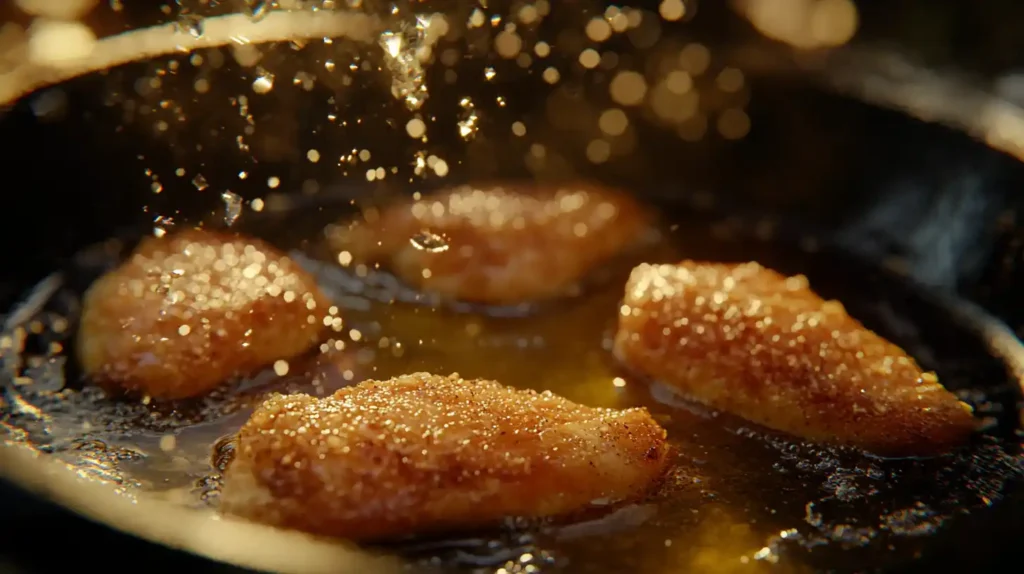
<point>259,9</point>
<point>672,10</point>
<point>281,368</point>
<point>416,128</point>
<point>401,52</point>
<point>232,207</point>
<point>191,24</point>
<point>468,119</point>
<point>263,83</point>
<point>200,182</point>
<point>628,88</point>
<point>168,443</point>
<point>430,242</point>
<point>160,225</point>
<point>440,167</point>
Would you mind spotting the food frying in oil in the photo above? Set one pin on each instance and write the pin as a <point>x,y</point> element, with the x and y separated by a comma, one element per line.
<point>426,453</point>
<point>497,244</point>
<point>189,311</point>
<point>747,340</point>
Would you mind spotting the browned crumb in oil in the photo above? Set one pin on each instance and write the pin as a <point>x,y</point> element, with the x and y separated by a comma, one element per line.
<point>746,340</point>
<point>428,453</point>
<point>190,310</point>
<point>497,245</point>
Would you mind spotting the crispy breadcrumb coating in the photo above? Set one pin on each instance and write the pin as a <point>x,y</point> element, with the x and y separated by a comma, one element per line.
<point>749,341</point>
<point>188,311</point>
<point>428,453</point>
<point>498,245</point>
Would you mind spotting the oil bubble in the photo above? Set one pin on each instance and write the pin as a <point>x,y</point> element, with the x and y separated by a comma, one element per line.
<point>430,242</point>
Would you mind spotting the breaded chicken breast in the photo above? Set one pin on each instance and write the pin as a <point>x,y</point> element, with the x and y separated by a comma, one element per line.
<point>749,341</point>
<point>188,311</point>
<point>497,245</point>
<point>427,453</point>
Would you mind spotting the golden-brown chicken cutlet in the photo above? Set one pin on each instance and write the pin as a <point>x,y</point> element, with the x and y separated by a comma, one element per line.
<point>427,453</point>
<point>749,341</point>
<point>187,311</point>
<point>497,245</point>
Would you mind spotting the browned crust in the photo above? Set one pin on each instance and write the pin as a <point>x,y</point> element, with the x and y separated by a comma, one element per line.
<point>749,341</point>
<point>505,244</point>
<point>427,453</point>
<point>189,311</point>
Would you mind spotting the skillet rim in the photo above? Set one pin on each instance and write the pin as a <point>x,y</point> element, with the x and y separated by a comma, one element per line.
<point>210,535</point>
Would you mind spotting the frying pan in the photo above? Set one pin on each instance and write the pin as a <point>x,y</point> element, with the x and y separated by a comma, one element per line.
<point>918,214</point>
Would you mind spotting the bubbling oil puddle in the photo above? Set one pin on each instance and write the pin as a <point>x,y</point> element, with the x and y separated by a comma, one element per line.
<point>737,499</point>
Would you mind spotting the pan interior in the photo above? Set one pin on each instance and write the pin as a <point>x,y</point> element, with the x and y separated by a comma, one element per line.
<point>285,120</point>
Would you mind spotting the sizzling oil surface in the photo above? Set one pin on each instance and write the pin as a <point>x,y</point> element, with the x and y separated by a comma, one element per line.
<point>738,499</point>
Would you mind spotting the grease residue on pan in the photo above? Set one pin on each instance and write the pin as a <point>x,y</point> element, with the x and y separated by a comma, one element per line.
<point>737,499</point>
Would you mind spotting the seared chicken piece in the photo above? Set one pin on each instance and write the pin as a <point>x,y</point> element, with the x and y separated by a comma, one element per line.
<point>749,341</point>
<point>427,453</point>
<point>497,245</point>
<point>188,311</point>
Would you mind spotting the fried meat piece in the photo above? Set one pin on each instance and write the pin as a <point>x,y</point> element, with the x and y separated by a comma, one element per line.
<point>425,453</point>
<point>749,341</point>
<point>497,245</point>
<point>190,310</point>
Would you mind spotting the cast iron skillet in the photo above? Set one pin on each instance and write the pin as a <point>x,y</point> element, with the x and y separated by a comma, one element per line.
<point>845,178</point>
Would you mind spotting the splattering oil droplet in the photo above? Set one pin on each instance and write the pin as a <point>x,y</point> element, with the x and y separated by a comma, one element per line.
<point>161,224</point>
<point>232,207</point>
<point>401,46</point>
<point>263,83</point>
<point>259,9</point>
<point>430,242</point>
<point>191,24</point>
<point>468,119</point>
